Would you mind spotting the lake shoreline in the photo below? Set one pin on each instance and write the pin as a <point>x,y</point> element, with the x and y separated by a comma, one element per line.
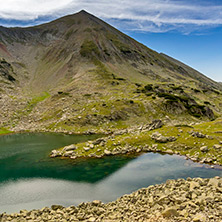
<point>158,209</point>
<point>134,150</point>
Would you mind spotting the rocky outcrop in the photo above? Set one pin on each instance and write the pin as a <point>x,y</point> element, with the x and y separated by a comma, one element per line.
<point>198,134</point>
<point>155,124</point>
<point>162,139</point>
<point>188,200</point>
<point>70,151</point>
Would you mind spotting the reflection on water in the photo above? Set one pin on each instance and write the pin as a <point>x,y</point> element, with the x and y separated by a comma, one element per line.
<point>29,179</point>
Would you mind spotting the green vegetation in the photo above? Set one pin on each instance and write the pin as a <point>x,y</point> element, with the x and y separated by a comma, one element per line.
<point>190,104</point>
<point>35,100</point>
<point>89,49</point>
<point>185,143</point>
<point>124,48</point>
<point>4,131</point>
<point>100,80</point>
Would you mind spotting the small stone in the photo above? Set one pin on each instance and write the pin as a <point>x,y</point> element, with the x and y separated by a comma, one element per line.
<point>86,148</point>
<point>57,207</point>
<point>107,152</point>
<point>217,146</point>
<point>91,146</point>
<point>170,212</point>
<point>214,182</point>
<point>169,151</point>
<point>200,217</point>
<point>96,202</point>
<point>204,149</point>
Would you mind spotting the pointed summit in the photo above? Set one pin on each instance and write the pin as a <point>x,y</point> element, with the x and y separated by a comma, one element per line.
<point>82,12</point>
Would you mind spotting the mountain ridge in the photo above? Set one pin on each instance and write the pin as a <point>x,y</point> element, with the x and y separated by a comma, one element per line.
<point>83,59</point>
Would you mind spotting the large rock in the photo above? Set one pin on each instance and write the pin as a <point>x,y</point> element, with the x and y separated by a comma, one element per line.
<point>217,147</point>
<point>107,152</point>
<point>86,148</point>
<point>200,217</point>
<point>162,139</point>
<point>214,182</point>
<point>198,134</point>
<point>98,141</point>
<point>70,147</point>
<point>156,124</point>
<point>55,153</point>
<point>69,153</point>
<point>204,149</point>
<point>170,212</point>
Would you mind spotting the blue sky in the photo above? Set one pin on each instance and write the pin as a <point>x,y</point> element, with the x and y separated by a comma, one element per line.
<point>188,30</point>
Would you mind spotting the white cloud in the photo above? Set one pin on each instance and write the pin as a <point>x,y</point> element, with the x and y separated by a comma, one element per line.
<point>31,9</point>
<point>143,15</point>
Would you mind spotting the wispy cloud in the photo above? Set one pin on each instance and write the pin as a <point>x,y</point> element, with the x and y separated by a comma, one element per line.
<point>141,15</point>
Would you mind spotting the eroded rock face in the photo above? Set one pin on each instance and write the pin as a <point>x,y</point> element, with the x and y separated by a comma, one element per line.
<point>156,124</point>
<point>176,200</point>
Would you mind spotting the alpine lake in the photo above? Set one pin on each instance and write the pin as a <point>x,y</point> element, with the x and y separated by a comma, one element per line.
<point>29,179</point>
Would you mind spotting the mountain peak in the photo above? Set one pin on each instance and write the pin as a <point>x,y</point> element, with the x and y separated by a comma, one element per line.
<point>83,12</point>
<point>80,64</point>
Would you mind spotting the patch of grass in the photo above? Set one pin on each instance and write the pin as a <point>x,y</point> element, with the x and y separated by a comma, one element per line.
<point>89,49</point>
<point>190,104</point>
<point>185,144</point>
<point>33,102</point>
<point>124,48</point>
<point>4,131</point>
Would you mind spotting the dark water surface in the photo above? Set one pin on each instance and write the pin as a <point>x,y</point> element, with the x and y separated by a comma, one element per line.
<point>30,179</point>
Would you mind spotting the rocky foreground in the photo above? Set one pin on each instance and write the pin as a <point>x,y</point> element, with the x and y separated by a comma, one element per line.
<point>177,200</point>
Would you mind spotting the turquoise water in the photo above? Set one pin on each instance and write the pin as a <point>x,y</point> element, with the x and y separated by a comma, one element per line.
<point>29,179</point>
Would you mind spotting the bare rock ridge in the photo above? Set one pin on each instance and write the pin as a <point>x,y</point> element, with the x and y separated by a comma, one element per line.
<point>78,71</point>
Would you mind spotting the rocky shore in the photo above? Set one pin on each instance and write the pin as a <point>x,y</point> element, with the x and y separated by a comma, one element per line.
<point>195,145</point>
<point>196,200</point>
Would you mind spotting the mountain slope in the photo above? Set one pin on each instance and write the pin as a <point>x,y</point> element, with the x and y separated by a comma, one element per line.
<point>79,73</point>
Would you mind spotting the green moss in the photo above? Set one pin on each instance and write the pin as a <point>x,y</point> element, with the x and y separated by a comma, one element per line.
<point>89,49</point>
<point>101,70</point>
